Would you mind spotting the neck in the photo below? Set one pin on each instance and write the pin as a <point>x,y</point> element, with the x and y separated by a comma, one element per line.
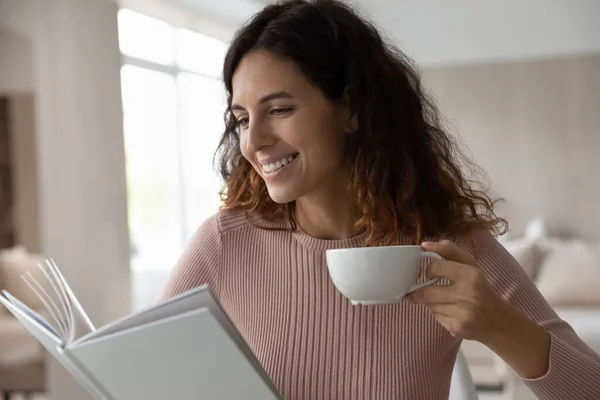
<point>330,214</point>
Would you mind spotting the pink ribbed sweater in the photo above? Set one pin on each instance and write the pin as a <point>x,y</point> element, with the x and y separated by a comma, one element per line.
<point>316,346</point>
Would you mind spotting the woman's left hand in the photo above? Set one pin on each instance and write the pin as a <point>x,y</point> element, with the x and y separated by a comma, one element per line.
<point>468,308</point>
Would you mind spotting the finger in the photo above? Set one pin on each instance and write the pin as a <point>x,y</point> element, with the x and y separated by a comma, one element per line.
<point>448,269</point>
<point>445,310</point>
<point>435,295</point>
<point>449,322</point>
<point>450,251</point>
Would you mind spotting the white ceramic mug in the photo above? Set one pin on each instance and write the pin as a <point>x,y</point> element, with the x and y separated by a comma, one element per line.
<point>377,275</point>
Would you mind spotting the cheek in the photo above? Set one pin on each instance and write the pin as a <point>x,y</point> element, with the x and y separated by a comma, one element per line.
<point>320,136</point>
<point>247,154</point>
<point>331,144</point>
<point>326,154</point>
<point>244,147</point>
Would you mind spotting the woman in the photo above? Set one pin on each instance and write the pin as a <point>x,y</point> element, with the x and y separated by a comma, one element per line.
<point>330,142</point>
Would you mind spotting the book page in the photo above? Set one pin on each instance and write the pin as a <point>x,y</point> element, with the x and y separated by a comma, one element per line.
<point>50,303</point>
<point>59,290</point>
<point>71,321</point>
<point>49,294</point>
<point>79,322</point>
<point>14,305</point>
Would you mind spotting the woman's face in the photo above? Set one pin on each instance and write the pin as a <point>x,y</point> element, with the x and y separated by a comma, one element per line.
<point>291,134</point>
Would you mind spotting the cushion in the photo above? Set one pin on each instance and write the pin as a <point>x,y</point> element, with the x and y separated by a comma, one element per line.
<point>17,346</point>
<point>15,262</point>
<point>527,252</point>
<point>570,273</point>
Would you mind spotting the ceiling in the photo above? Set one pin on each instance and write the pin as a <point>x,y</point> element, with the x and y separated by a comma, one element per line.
<point>438,32</point>
<point>231,12</point>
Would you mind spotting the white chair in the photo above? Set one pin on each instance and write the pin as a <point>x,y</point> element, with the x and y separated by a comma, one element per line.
<point>462,386</point>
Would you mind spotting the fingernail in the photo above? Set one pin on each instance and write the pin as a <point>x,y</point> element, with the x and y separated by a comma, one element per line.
<point>426,243</point>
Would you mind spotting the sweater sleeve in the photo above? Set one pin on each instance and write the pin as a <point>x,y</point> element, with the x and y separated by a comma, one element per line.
<point>200,262</point>
<point>574,368</point>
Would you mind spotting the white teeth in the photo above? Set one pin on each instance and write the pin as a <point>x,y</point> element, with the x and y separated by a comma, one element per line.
<point>278,164</point>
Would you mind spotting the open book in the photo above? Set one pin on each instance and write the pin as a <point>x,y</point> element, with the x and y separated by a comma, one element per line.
<point>183,348</point>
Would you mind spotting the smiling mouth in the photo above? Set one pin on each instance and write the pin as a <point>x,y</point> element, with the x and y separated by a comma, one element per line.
<point>277,165</point>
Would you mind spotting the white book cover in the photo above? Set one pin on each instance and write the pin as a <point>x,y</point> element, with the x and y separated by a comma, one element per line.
<point>185,347</point>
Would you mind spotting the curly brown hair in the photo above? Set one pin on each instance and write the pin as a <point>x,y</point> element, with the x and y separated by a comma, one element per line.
<point>409,175</point>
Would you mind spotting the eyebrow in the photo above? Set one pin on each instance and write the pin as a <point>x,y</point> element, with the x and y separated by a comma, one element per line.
<point>266,98</point>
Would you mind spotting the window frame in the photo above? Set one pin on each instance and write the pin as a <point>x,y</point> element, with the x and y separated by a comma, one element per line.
<point>178,19</point>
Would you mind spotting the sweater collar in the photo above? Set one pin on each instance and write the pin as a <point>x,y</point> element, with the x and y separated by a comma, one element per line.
<point>318,244</point>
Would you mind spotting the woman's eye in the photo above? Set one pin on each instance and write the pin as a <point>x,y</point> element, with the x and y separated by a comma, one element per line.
<point>242,122</point>
<point>282,110</point>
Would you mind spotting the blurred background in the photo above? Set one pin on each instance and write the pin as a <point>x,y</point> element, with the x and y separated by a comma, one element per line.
<point>110,112</point>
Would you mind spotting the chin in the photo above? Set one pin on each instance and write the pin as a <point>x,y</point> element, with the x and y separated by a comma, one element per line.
<point>282,196</point>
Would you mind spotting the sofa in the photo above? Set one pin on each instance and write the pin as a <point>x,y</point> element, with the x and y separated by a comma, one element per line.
<point>22,357</point>
<point>566,271</point>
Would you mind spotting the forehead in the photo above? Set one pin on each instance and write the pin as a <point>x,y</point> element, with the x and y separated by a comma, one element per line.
<point>260,73</point>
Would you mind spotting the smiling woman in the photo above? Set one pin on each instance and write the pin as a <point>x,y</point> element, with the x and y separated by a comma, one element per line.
<point>282,117</point>
<point>353,109</point>
<point>330,142</point>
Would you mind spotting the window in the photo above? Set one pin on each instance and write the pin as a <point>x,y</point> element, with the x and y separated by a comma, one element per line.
<point>173,103</point>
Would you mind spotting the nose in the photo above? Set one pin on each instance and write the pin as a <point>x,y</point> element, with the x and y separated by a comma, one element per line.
<point>258,135</point>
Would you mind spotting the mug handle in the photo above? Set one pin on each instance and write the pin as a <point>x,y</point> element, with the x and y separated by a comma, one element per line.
<point>417,286</point>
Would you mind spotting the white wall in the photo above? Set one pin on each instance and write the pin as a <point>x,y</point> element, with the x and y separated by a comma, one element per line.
<point>79,138</point>
<point>438,32</point>
<point>15,63</point>
<point>535,129</point>
<point>16,15</point>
